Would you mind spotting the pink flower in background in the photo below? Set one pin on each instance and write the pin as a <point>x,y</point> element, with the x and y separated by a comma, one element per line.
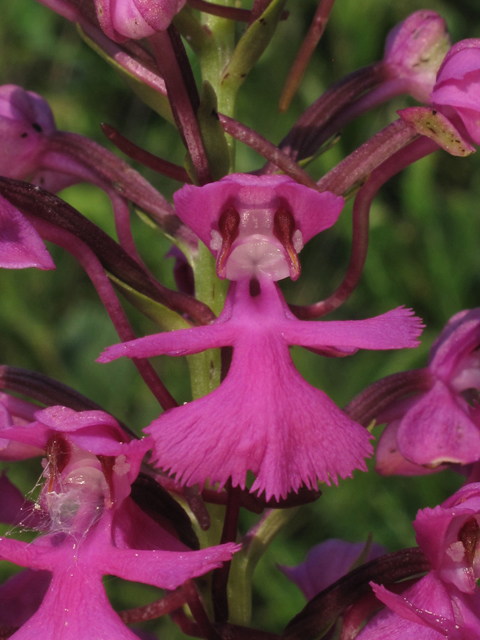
<point>457,89</point>
<point>26,121</point>
<point>441,425</point>
<point>135,19</point>
<point>326,563</point>
<point>94,528</point>
<point>20,244</point>
<point>446,602</point>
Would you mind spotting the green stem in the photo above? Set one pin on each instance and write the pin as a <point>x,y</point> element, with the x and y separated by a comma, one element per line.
<point>205,367</point>
<point>244,562</point>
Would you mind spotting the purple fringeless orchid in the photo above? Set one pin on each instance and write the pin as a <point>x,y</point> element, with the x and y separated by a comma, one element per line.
<point>446,602</point>
<point>264,417</point>
<point>441,425</point>
<point>93,527</point>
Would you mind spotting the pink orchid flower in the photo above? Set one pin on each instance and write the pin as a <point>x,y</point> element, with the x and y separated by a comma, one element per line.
<point>446,602</point>
<point>264,417</point>
<point>94,528</point>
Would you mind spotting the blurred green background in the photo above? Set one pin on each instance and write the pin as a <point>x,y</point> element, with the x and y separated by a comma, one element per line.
<point>425,230</point>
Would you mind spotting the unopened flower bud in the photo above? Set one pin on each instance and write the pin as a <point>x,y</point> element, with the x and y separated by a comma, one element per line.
<point>414,51</point>
<point>25,122</point>
<point>135,19</point>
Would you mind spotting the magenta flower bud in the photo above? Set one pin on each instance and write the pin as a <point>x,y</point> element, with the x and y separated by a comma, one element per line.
<point>414,51</point>
<point>457,89</point>
<point>135,19</point>
<point>25,122</point>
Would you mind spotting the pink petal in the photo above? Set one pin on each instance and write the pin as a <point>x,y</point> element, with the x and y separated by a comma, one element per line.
<point>22,595</point>
<point>437,430</point>
<point>389,460</point>
<point>164,569</point>
<point>20,245</point>
<point>173,343</point>
<point>427,604</point>
<point>291,433</point>
<point>201,207</point>
<point>395,329</point>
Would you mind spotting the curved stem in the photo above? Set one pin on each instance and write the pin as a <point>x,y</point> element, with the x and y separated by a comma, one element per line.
<point>356,168</point>
<point>184,100</point>
<point>121,214</point>
<point>306,136</point>
<point>164,167</point>
<point>266,149</point>
<point>229,534</point>
<point>47,206</point>
<point>83,158</point>
<point>94,269</point>
<point>325,607</point>
<point>198,611</point>
<point>170,602</point>
<point>300,63</point>
<point>360,226</point>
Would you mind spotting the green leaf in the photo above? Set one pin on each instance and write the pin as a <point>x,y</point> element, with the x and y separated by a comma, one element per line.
<point>213,135</point>
<point>251,46</point>
<point>165,318</point>
<point>154,99</point>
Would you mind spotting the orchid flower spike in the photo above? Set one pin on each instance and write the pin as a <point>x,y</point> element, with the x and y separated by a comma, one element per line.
<point>93,528</point>
<point>264,417</point>
<point>135,19</point>
<point>446,602</point>
<point>441,425</point>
